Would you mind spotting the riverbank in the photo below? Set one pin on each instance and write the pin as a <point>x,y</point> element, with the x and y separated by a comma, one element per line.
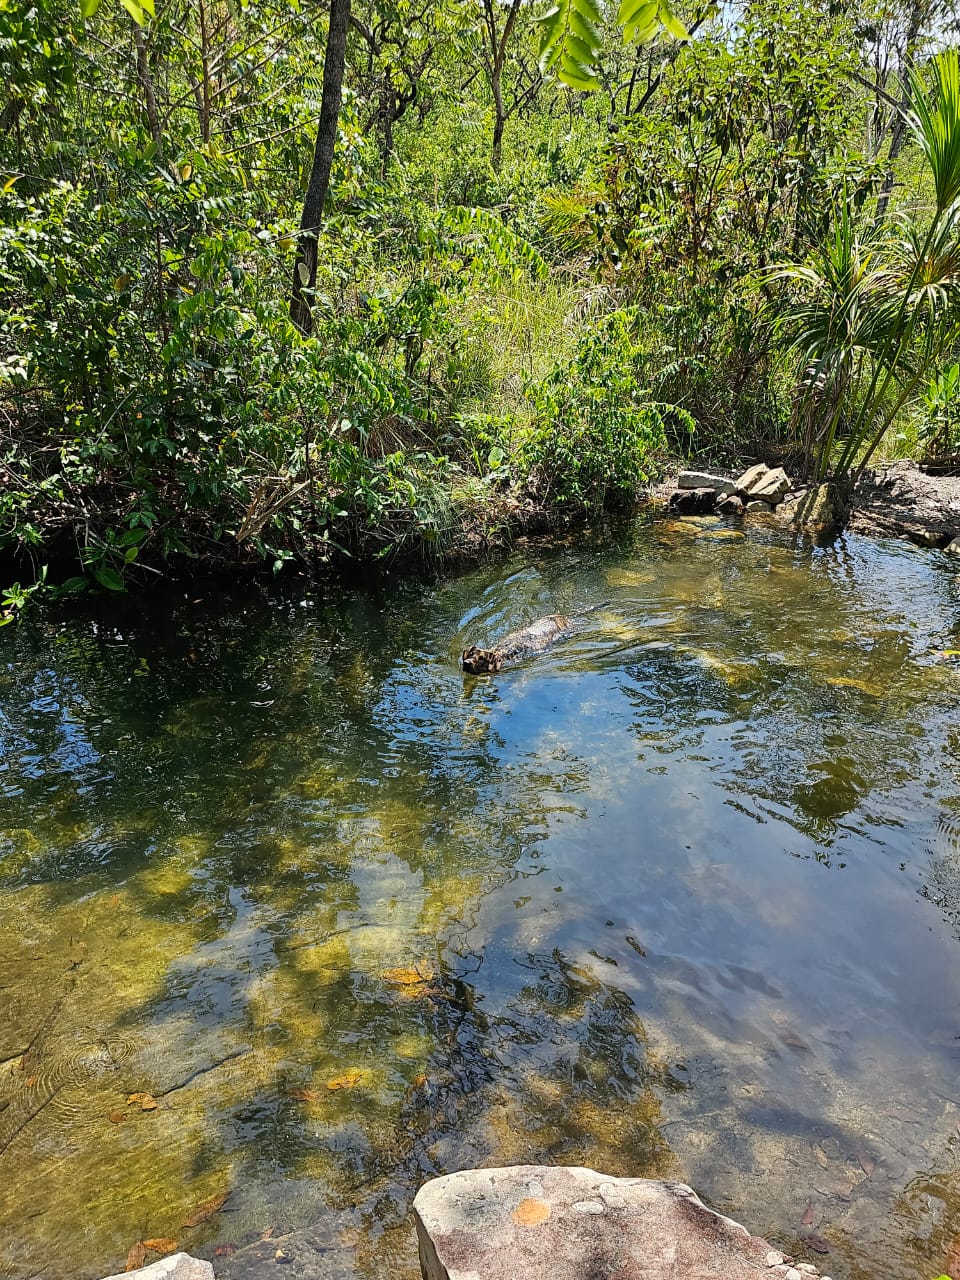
<point>898,500</point>
<point>902,501</point>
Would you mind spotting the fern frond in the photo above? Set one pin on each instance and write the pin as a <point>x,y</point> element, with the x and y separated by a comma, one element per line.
<point>571,37</point>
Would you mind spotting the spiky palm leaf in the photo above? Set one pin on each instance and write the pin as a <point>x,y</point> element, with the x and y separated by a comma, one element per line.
<point>874,314</point>
<point>935,121</point>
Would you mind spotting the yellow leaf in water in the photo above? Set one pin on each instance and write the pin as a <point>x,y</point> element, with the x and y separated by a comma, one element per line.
<point>136,1257</point>
<point>161,1244</point>
<point>305,1095</point>
<point>145,1101</point>
<point>845,682</point>
<point>948,653</point>
<point>206,1209</point>
<point>348,1081</point>
<point>407,977</point>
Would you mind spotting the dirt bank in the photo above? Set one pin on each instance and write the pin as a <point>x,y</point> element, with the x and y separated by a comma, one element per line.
<point>900,500</point>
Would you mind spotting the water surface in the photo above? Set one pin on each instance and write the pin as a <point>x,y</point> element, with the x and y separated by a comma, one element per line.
<point>295,914</point>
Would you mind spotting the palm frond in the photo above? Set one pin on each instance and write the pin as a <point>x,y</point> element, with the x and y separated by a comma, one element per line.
<point>935,121</point>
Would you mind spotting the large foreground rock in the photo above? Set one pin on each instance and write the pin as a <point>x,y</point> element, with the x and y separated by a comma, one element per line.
<point>177,1266</point>
<point>533,1223</point>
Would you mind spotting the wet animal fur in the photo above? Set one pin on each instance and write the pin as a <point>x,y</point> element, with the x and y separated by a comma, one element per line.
<point>517,644</point>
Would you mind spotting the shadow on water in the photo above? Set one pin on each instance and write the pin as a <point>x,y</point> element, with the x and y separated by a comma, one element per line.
<point>296,915</point>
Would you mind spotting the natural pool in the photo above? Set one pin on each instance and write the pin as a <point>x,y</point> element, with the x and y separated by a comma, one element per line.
<point>679,897</point>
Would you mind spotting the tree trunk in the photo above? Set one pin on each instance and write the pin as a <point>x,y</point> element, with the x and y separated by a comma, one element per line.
<point>499,120</point>
<point>898,130</point>
<point>146,84</point>
<point>897,135</point>
<point>305,266</point>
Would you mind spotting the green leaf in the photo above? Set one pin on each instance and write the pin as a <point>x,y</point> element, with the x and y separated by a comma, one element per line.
<point>630,9</point>
<point>589,9</point>
<point>581,25</point>
<point>89,7</point>
<point>571,42</point>
<point>552,18</point>
<point>108,577</point>
<point>576,75</point>
<point>579,50</point>
<point>132,537</point>
<point>645,20</point>
<point>135,11</point>
<point>672,23</point>
<point>640,34</point>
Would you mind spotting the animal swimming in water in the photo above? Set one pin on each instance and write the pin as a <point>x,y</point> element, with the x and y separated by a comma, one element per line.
<point>517,644</point>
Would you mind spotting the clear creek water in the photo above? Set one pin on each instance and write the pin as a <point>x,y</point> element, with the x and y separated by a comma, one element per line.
<point>294,916</point>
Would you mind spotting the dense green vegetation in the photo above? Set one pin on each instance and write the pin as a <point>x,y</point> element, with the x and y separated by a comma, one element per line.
<point>547,257</point>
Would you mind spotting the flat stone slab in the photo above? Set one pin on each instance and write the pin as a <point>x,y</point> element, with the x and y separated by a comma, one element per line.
<point>704,480</point>
<point>535,1223</point>
<point>176,1266</point>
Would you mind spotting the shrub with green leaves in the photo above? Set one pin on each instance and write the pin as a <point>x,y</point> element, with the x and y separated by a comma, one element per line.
<point>596,434</point>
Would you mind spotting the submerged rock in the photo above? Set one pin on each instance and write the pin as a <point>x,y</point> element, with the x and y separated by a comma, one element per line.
<point>177,1266</point>
<point>923,537</point>
<point>528,1222</point>
<point>822,510</point>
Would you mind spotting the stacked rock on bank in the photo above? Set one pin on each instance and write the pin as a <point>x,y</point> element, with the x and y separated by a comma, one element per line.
<point>760,488</point>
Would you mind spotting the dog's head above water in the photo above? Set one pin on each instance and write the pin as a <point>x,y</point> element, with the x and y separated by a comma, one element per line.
<point>478,662</point>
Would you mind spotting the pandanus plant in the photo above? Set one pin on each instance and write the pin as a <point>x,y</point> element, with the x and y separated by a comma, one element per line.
<point>874,308</point>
